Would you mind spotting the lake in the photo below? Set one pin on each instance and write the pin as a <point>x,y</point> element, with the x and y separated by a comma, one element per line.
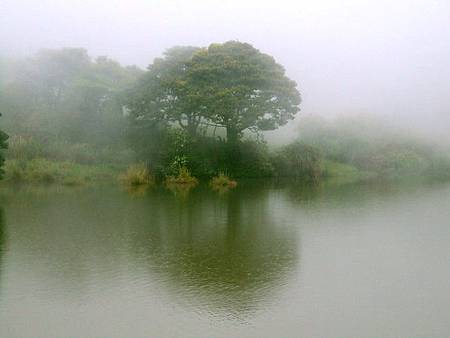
<point>263,260</point>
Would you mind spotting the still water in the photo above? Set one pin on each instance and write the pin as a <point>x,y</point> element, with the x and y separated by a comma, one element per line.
<point>263,260</point>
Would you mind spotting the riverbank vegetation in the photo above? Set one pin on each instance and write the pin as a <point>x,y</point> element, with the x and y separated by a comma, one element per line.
<point>194,114</point>
<point>183,178</point>
<point>136,175</point>
<point>59,172</point>
<point>372,148</point>
<point>222,182</point>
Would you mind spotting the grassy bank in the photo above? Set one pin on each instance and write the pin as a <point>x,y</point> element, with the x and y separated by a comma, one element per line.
<point>336,172</point>
<point>45,171</point>
<point>65,173</point>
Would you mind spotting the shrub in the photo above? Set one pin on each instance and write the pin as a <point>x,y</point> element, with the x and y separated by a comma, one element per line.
<point>184,177</point>
<point>298,160</point>
<point>203,155</point>
<point>398,160</point>
<point>222,180</point>
<point>222,183</point>
<point>136,174</point>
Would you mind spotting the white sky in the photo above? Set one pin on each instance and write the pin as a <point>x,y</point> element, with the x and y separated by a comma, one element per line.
<point>350,56</point>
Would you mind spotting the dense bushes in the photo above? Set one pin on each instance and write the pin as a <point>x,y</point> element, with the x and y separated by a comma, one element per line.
<point>298,160</point>
<point>204,156</point>
<point>61,105</point>
<point>375,148</point>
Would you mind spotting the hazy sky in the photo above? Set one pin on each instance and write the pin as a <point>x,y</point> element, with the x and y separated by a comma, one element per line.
<point>352,56</point>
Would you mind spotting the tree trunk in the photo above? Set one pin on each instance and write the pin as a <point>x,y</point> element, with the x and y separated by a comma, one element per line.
<point>232,136</point>
<point>192,129</point>
<point>233,151</point>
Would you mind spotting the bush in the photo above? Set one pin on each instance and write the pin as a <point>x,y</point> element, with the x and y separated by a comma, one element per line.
<point>397,161</point>
<point>222,181</point>
<point>136,174</point>
<point>205,156</point>
<point>184,177</point>
<point>299,161</point>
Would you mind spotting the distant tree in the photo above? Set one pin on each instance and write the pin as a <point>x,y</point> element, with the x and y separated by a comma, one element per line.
<point>64,95</point>
<point>53,73</point>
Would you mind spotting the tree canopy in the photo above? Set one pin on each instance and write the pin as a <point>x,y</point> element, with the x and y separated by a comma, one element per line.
<point>231,85</point>
<point>63,94</point>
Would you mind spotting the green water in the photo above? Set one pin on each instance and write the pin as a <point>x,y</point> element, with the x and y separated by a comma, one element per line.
<point>264,260</point>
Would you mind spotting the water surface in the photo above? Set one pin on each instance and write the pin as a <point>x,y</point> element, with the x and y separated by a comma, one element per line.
<point>264,260</point>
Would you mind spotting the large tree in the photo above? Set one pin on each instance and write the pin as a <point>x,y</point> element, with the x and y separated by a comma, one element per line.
<point>240,88</point>
<point>230,85</point>
<point>163,94</point>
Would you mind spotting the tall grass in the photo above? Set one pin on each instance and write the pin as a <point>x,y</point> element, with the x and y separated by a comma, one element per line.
<point>222,181</point>
<point>136,175</point>
<point>45,171</point>
<point>184,177</point>
<point>25,147</point>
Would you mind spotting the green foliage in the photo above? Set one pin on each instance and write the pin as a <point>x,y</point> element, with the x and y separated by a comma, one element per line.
<point>252,159</point>
<point>231,85</point>
<point>395,161</point>
<point>163,95</point>
<point>190,113</point>
<point>375,148</point>
<point>25,148</point>
<point>241,88</point>
<point>300,161</point>
<point>45,171</point>
<point>65,97</point>
<point>205,156</point>
<point>337,172</point>
<point>177,105</point>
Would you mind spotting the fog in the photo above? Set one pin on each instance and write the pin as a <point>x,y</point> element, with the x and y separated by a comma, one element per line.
<point>348,57</point>
<point>162,175</point>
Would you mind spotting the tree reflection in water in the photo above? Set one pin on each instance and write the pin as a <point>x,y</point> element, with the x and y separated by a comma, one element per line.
<point>226,251</point>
